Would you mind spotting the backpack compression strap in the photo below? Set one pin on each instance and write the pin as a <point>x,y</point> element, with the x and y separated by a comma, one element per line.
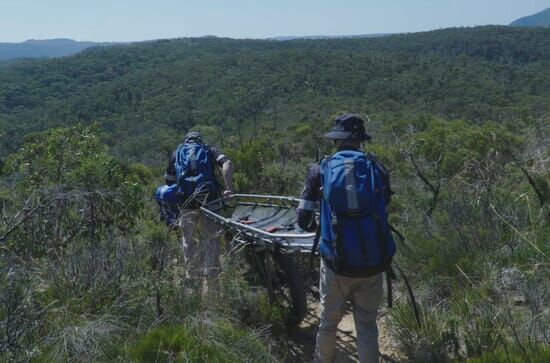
<point>318,230</point>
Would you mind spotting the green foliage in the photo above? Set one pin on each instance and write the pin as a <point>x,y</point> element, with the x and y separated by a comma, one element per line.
<point>514,355</point>
<point>73,188</point>
<point>484,323</point>
<point>436,340</point>
<point>85,268</point>
<point>174,344</point>
<point>456,146</point>
<point>146,96</point>
<point>200,341</point>
<point>251,160</point>
<point>475,229</point>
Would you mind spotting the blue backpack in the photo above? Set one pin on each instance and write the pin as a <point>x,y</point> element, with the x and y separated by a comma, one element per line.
<point>356,240</point>
<point>167,199</point>
<point>194,169</point>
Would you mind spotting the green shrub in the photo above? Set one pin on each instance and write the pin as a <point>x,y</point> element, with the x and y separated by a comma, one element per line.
<point>200,341</point>
<point>436,340</point>
<point>169,344</point>
<point>513,355</point>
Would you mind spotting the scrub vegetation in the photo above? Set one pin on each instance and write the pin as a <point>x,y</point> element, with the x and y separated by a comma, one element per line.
<point>460,116</point>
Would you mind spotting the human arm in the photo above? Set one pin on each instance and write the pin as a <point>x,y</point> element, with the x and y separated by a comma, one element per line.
<point>311,195</point>
<point>227,175</point>
<point>226,168</point>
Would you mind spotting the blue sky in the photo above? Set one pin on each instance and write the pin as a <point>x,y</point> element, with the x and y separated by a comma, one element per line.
<point>132,20</point>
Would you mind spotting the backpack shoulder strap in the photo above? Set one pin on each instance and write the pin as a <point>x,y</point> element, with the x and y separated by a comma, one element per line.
<point>315,245</point>
<point>177,160</point>
<point>371,156</point>
<point>180,146</point>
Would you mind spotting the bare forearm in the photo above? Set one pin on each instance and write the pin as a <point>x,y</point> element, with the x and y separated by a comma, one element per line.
<point>227,174</point>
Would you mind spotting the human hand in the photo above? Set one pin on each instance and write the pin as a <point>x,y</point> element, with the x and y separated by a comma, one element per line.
<point>227,194</point>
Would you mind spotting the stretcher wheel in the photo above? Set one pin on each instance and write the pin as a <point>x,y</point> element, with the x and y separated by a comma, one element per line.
<point>284,283</point>
<point>295,285</point>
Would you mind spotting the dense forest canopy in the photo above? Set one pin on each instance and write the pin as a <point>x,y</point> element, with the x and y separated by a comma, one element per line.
<point>148,94</point>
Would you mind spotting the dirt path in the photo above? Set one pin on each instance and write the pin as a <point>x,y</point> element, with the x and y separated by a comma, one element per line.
<point>301,340</point>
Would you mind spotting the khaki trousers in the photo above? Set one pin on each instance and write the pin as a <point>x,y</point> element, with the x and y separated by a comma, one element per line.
<point>200,244</point>
<point>365,295</point>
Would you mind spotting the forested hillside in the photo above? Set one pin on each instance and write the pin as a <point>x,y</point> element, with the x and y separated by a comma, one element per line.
<point>461,117</point>
<point>147,95</point>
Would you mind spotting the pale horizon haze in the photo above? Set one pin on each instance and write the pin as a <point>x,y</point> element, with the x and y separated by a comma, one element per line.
<point>137,20</point>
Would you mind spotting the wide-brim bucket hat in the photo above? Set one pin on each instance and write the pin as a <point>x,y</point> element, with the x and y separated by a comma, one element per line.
<point>348,127</point>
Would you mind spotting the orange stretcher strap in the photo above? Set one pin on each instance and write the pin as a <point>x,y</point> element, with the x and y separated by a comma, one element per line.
<point>247,221</point>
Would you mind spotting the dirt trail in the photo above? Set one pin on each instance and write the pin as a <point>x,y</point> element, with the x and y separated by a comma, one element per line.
<point>301,342</point>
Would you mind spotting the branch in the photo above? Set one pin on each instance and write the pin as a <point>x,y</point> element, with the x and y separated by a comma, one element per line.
<point>26,212</point>
<point>25,217</point>
<point>434,189</point>
<point>540,194</point>
<point>421,175</point>
<point>518,232</point>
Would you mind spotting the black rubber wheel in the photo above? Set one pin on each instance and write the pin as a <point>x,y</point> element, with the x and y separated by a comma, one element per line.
<point>289,287</point>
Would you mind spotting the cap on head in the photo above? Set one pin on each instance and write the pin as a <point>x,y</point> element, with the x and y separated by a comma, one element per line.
<point>348,127</point>
<point>193,136</point>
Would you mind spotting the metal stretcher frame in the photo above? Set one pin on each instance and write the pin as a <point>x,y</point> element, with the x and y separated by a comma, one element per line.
<point>301,242</point>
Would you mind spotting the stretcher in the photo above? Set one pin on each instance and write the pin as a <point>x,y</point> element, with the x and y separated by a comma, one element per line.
<point>261,219</point>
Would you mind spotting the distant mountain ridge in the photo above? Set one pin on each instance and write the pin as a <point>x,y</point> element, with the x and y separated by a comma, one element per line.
<point>321,37</point>
<point>540,19</point>
<point>61,47</point>
<point>44,48</point>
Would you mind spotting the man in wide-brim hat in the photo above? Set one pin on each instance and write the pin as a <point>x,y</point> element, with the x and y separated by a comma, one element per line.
<point>365,293</point>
